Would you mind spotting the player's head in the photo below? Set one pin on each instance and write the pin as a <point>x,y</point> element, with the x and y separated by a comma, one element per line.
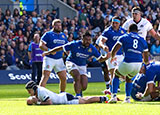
<point>116,21</point>
<point>136,14</point>
<point>31,87</point>
<point>86,40</point>
<point>133,28</point>
<point>57,25</point>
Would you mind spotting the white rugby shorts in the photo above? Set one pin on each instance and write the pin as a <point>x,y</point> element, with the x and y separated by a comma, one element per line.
<point>56,64</point>
<point>129,69</point>
<point>115,63</point>
<point>71,66</point>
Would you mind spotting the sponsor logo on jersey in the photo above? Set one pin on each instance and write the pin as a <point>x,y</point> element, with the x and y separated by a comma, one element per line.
<point>115,38</point>
<point>58,41</point>
<point>82,55</point>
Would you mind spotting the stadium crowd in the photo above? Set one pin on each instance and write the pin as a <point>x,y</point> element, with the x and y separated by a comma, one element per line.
<point>17,31</point>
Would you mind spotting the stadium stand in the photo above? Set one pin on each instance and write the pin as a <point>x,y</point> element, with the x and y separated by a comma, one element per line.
<point>16,31</point>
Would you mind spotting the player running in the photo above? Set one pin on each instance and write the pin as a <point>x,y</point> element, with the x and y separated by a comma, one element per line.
<point>80,51</point>
<point>108,39</point>
<point>133,46</point>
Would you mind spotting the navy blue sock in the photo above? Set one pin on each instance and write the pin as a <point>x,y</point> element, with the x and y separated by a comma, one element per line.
<point>78,94</point>
<point>128,89</point>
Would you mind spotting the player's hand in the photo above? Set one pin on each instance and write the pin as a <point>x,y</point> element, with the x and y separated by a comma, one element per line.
<point>105,48</point>
<point>45,53</point>
<point>113,59</point>
<point>139,95</point>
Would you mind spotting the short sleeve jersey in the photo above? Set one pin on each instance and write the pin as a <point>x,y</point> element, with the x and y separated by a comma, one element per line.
<point>79,54</point>
<point>52,40</point>
<point>143,26</point>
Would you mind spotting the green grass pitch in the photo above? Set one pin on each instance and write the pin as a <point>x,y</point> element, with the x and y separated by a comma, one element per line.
<point>13,102</point>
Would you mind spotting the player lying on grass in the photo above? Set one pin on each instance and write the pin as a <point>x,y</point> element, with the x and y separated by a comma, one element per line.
<point>144,83</point>
<point>42,96</point>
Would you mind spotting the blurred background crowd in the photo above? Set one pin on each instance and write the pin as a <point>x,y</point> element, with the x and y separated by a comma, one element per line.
<point>17,30</point>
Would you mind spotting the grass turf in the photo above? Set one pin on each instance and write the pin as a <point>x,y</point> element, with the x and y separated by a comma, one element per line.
<point>13,102</point>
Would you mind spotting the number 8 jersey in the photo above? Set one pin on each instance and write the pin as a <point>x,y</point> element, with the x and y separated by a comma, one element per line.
<point>133,46</point>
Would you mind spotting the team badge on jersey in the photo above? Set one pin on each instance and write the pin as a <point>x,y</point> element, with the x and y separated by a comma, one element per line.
<point>122,31</point>
<point>90,50</point>
<point>141,26</point>
<point>63,36</point>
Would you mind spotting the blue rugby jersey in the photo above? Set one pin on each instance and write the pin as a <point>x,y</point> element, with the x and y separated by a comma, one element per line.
<point>140,81</point>
<point>112,37</point>
<point>52,40</point>
<point>79,54</point>
<point>133,46</point>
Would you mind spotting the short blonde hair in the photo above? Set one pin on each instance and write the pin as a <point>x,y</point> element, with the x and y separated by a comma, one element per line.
<point>55,21</point>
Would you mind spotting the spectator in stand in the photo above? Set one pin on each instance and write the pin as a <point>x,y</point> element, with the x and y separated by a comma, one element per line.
<point>90,18</point>
<point>153,4</point>
<point>1,14</point>
<point>79,8</point>
<point>104,6</point>
<point>107,13</point>
<point>38,27</point>
<point>83,16</point>
<point>34,17</point>
<point>16,13</point>
<point>83,25</point>
<point>21,53</point>
<point>54,14</point>
<point>11,60</point>
<point>114,7</point>
<point>3,63</point>
<point>65,22</point>
<point>21,27</point>
<point>7,17</point>
<point>155,48</point>
<point>98,22</point>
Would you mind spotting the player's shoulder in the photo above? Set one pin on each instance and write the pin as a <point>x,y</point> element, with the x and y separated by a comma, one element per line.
<point>122,30</point>
<point>144,20</point>
<point>40,88</point>
<point>63,35</point>
<point>129,21</point>
<point>126,35</point>
<point>49,32</point>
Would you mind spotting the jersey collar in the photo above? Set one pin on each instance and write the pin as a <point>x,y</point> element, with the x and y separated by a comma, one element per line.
<point>138,21</point>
